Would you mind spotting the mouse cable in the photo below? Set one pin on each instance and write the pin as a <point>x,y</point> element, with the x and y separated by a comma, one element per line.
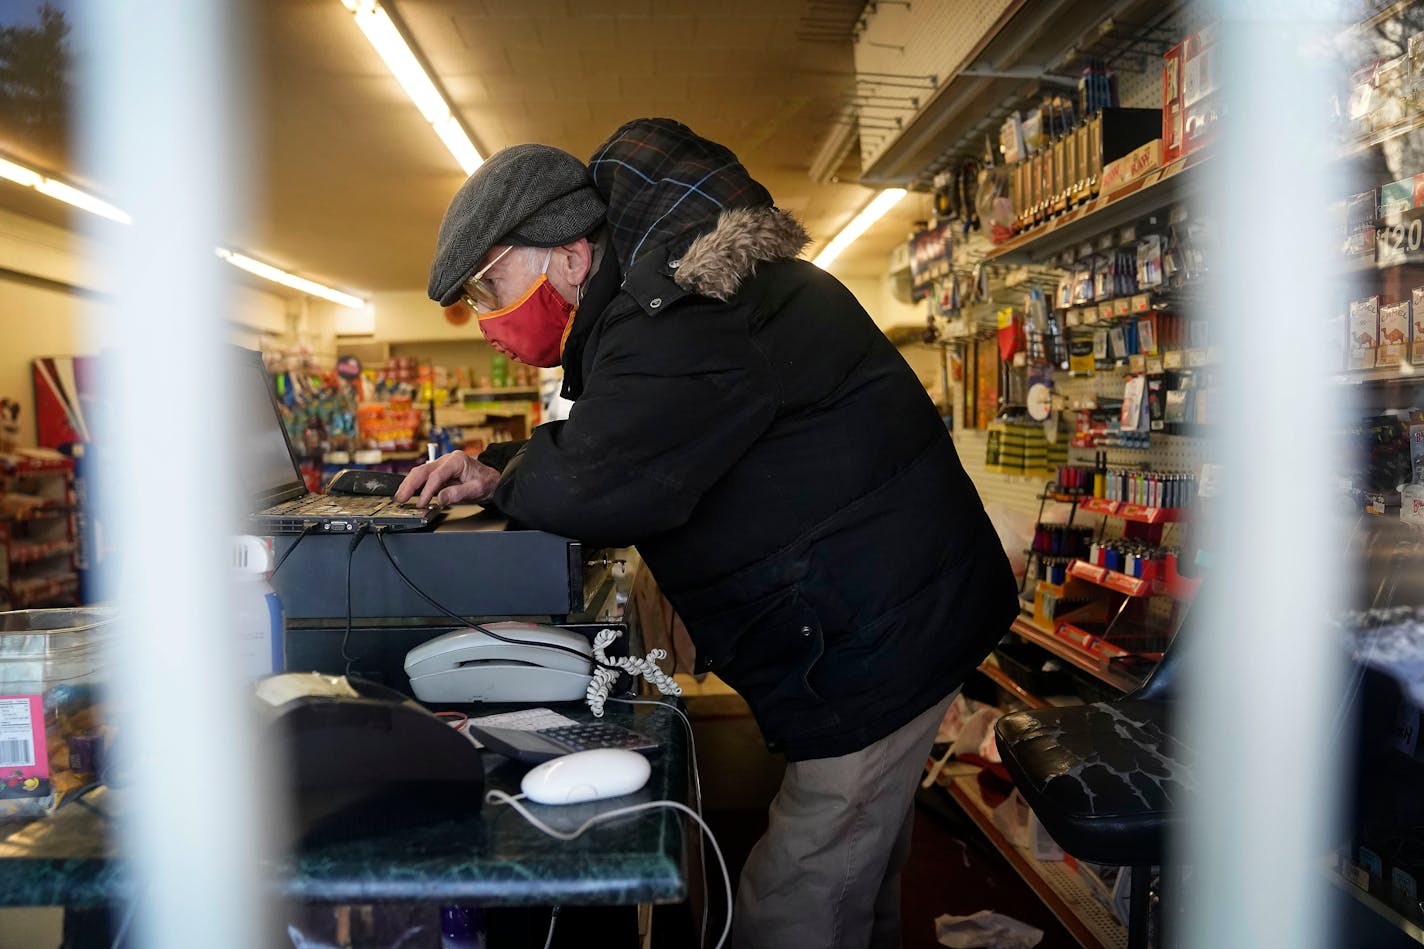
<point>350,556</point>
<point>696,781</point>
<point>308,527</point>
<point>553,918</point>
<point>499,797</point>
<point>381,539</point>
<point>122,933</point>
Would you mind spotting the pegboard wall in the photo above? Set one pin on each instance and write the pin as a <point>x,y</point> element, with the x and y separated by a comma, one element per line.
<point>903,42</point>
<point>905,50</point>
<point>922,38</point>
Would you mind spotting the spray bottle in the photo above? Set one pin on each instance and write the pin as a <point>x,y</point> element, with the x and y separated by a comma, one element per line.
<point>256,611</point>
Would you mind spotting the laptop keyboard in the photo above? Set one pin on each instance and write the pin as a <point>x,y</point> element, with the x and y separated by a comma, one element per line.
<point>328,505</point>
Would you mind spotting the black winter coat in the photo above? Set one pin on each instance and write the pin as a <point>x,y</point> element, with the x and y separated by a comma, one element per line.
<point>785,477</point>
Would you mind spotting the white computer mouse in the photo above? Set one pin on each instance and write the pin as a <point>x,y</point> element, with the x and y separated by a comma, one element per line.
<point>586,776</point>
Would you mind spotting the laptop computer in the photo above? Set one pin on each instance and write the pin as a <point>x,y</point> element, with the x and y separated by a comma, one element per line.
<point>273,478</point>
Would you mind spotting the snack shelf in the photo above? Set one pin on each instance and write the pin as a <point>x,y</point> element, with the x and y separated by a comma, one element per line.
<point>1138,513</point>
<point>1071,653</point>
<point>1065,893</point>
<point>1154,190</point>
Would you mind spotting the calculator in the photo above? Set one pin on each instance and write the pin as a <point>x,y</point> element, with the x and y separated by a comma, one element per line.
<point>543,744</point>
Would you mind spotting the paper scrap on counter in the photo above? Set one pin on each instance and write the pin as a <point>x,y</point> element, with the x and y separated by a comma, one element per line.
<point>985,930</point>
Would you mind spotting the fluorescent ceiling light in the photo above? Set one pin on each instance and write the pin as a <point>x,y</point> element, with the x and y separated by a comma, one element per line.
<point>310,287</point>
<point>30,178</point>
<point>19,174</point>
<point>382,33</point>
<point>873,212</point>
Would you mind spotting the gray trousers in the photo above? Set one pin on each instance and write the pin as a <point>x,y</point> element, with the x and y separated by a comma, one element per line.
<point>827,873</point>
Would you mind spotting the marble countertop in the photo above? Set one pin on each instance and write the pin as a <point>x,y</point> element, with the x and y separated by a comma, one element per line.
<point>491,857</point>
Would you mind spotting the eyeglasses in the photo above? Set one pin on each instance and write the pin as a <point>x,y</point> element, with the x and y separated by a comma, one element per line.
<point>479,295</point>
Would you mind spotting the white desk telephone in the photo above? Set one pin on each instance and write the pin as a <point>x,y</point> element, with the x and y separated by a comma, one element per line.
<point>466,665</point>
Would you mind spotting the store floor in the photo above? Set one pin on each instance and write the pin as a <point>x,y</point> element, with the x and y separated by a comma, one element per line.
<point>951,870</point>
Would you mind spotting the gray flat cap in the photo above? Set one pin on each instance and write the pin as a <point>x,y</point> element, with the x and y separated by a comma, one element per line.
<point>527,195</point>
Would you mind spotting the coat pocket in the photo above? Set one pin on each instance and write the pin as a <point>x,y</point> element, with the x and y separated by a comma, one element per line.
<point>766,650</point>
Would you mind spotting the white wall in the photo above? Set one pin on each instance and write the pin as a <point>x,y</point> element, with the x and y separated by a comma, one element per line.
<point>50,291</point>
<point>879,300</point>
<point>413,317</point>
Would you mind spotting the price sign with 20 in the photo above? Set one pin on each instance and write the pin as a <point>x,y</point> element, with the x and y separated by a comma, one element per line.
<point>1399,239</point>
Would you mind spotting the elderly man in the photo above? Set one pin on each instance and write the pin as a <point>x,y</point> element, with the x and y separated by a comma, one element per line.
<point>740,419</point>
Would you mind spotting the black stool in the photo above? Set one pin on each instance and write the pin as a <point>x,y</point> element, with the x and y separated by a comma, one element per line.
<point>1106,780</point>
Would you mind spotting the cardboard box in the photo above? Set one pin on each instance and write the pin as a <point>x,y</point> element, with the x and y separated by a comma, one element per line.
<point>1416,336</point>
<point>1364,333</point>
<point>1393,334</point>
<point>1172,103</point>
<point>1130,167</point>
<point>1201,103</point>
<point>1361,222</point>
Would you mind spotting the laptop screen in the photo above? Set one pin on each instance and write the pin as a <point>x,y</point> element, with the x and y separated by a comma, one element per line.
<point>269,470</point>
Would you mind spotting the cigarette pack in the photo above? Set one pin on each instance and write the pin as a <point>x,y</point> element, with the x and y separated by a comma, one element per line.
<point>1364,332</point>
<point>1393,334</point>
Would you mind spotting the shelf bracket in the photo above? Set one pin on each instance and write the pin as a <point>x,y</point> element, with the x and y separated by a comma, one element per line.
<point>1014,72</point>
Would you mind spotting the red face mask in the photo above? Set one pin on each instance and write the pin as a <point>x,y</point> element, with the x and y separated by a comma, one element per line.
<point>535,326</point>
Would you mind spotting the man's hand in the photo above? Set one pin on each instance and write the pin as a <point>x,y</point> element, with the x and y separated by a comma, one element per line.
<point>450,479</point>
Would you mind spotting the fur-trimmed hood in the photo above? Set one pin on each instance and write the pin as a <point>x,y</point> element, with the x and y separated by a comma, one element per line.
<point>674,194</point>
<point>716,263</point>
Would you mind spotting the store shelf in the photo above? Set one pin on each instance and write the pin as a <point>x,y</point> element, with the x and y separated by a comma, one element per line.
<point>1377,906</point>
<point>1073,655</point>
<point>1062,498</point>
<point>1152,192</point>
<point>1403,374</point>
<point>1110,579</point>
<point>1004,681</point>
<point>1065,894</point>
<point>26,552</point>
<point>1137,513</point>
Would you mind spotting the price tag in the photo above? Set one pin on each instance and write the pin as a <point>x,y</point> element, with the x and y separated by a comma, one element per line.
<point>1122,306</point>
<point>1154,365</point>
<point>1196,358</point>
<point>1090,315</point>
<point>1105,242</point>
<point>1128,235</point>
<point>1142,303</point>
<point>1179,214</point>
<point>1085,250</point>
<point>1137,363</point>
<point>1172,359</point>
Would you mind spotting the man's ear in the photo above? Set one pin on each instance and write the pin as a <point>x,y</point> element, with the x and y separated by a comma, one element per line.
<point>574,260</point>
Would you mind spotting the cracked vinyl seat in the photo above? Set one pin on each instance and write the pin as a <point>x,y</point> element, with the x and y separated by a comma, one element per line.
<point>1106,780</point>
